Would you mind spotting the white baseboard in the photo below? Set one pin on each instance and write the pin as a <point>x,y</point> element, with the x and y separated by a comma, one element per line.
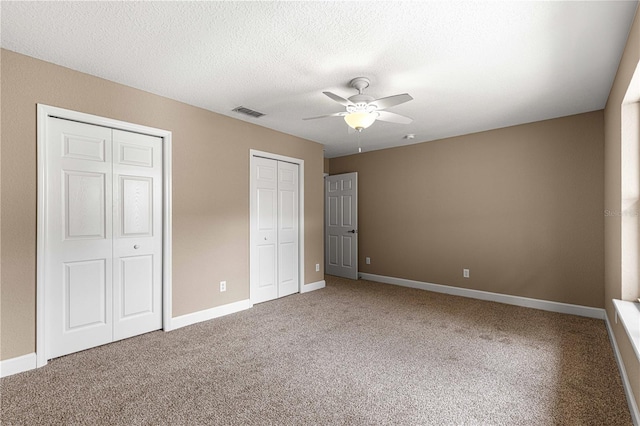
<point>17,365</point>
<point>207,314</point>
<point>631,401</point>
<point>545,305</point>
<point>312,286</point>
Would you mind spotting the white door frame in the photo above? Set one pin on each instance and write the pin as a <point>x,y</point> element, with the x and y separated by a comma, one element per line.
<point>252,256</point>
<point>44,112</point>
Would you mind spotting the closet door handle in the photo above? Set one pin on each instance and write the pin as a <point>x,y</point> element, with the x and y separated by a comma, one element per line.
<point>136,247</point>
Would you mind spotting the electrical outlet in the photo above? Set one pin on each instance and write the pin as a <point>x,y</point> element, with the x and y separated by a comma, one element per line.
<point>223,286</point>
<point>317,267</point>
<point>367,260</point>
<point>465,273</point>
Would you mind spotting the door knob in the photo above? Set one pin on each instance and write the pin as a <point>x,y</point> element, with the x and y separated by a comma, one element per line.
<point>136,247</point>
<point>353,231</point>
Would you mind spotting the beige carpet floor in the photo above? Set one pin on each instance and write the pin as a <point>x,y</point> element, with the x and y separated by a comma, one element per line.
<point>354,353</point>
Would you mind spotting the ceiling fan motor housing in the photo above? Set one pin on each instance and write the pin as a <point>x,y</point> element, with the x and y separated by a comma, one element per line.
<point>359,83</point>
<point>360,100</point>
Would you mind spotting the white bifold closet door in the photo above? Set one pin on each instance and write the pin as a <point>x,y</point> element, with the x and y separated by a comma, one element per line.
<point>103,256</point>
<point>275,237</point>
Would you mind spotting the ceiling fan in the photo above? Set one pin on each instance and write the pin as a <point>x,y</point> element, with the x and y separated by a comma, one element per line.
<point>363,110</point>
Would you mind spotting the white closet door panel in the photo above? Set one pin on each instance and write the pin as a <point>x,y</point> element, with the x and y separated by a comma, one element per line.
<point>137,225</point>
<point>78,243</point>
<point>275,229</point>
<point>287,228</point>
<point>265,236</point>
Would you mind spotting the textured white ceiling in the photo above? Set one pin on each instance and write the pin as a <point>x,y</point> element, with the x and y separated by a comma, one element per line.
<point>470,66</point>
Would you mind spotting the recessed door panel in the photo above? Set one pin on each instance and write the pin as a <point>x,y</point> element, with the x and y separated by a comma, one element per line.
<point>286,175</point>
<point>347,217</point>
<point>266,172</point>
<point>137,202</point>
<point>84,200</point>
<point>266,200</point>
<point>287,210</point>
<point>84,148</point>
<point>137,285</point>
<point>287,259</point>
<point>85,294</point>
<point>332,211</point>
<point>347,260</point>
<point>267,263</point>
<point>135,155</point>
<point>333,256</point>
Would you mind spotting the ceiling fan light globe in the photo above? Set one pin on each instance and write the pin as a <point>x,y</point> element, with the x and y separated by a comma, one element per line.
<point>360,120</point>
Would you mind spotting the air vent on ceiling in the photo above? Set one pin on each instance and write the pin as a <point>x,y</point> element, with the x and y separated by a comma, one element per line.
<point>247,111</point>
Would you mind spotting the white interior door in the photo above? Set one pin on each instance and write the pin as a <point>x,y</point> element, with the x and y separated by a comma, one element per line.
<point>265,236</point>
<point>79,240</point>
<point>275,233</point>
<point>287,228</point>
<point>103,199</point>
<point>137,231</point>
<point>341,225</point>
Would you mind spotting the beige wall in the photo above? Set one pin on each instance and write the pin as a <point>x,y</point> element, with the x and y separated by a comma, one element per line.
<point>615,288</point>
<point>210,189</point>
<point>521,207</point>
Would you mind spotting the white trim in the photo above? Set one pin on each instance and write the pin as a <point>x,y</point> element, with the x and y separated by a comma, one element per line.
<point>255,153</point>
<point>629,314</point>
<point>167,234</point>
<point>211,313</point>
<point>43,113</point>
<point>312,286</point>
<point>18,364</point>
<point>631,401</point>
<point>545,305</point>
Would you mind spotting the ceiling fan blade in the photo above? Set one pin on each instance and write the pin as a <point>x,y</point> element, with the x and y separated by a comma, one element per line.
<point>337,114</point>
<point>392,117</point>
<point>338,99</point>
<point>390,101</point>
